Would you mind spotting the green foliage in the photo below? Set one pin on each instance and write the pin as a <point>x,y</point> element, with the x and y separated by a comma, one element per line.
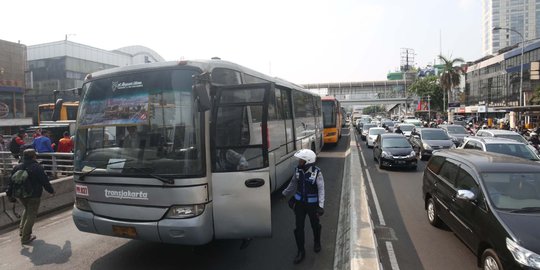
<point>428,86</point>
<point>373,109</point>
<point>535,99</point>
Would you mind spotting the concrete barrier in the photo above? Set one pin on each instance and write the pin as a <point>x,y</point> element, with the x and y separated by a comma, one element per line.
<point>65,196</point>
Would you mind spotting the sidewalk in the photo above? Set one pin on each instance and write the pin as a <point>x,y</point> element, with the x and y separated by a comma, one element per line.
<point>355,242</point>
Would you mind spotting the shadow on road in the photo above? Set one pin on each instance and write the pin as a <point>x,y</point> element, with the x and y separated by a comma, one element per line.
<point>41,253</point>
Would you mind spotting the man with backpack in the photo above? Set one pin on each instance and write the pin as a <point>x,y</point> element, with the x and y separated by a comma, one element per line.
<point>26,184</point>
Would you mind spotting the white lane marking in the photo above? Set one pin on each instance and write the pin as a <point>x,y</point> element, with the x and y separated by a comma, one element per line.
<point>375,199</point>
<point>392,256</point>
<point>363,159</point>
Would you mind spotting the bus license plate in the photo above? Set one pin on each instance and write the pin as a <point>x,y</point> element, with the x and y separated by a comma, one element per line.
<point>123,231</point>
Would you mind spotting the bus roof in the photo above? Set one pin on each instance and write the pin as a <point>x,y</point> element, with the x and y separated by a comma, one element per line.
<point>203,65</point>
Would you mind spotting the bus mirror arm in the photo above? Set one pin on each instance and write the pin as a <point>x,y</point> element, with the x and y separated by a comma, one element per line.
<point>201,91</point>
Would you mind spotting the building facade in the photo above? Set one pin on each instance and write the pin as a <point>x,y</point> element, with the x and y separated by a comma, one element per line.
<point>12,87</point>
<point>494,81</point>
<point>520,15</point>
<point>64,64</point>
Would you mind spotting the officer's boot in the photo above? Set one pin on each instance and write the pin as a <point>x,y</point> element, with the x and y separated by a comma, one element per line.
<point>299,237</point>
<point>317,239</point>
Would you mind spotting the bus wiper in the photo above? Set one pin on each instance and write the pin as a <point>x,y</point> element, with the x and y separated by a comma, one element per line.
<point>83,174</point>
<point>160,178</point>
<point>526,210</point>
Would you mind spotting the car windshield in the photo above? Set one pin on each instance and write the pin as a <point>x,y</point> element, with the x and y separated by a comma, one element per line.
<point>395,143</point>
<point>513,191</point>
<point>388,124</point>
<point>456,130</point>
<point>434,134</point>
<point>149,120</point>
<point>376,131</point>
<point>515,137</point>
<point>368,126</point>
<point>406,127</point>
<point>513,149</point>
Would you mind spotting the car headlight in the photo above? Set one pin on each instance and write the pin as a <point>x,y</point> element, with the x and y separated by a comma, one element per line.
<point>522,255</point>
<point>185,211</point>
<point>426,146</point>
<point>412,154</point>
<point>385,154</point>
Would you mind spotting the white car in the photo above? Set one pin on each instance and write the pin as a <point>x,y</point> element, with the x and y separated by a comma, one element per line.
<point>372,135</point>
<point>406,128</point>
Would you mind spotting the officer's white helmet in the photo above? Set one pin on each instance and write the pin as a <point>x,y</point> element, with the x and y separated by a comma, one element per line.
<point>307,155</point>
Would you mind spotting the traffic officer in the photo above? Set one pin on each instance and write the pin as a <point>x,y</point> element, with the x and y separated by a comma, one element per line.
<point>308,182</point>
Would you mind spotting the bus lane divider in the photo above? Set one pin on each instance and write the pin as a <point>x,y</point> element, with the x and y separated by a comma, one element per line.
<point>355,224</point>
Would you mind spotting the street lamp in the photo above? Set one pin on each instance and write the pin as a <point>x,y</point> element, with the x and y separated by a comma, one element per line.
<point>521,69</point>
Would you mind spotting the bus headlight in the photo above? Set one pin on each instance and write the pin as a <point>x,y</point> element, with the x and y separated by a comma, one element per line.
<point>82,204</point>
<point>185,211</point>
<point>522,255</point>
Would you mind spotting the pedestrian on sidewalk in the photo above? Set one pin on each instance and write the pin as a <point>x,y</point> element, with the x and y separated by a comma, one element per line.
<point>308,182</point>
<point>34,184</point>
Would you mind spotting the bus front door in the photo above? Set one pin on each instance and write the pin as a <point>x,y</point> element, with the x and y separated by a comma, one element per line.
<point>241,174</point>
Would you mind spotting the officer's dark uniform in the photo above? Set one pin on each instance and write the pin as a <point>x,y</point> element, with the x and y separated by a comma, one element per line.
<point>308,200</point>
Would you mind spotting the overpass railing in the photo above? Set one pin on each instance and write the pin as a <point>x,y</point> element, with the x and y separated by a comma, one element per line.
<point>56,165</point>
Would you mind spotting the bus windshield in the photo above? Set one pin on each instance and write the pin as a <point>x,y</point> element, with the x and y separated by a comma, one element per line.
<point>45,113</point>
<point>146,122</point>
<point>329,113</point>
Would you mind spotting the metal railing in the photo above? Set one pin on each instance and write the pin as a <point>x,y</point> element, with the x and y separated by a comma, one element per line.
<point>56,165</point>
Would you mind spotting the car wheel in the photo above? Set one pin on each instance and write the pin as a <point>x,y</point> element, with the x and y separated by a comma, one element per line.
<point>490,260</point>
<point>432,215</point>
<point>380,164</point>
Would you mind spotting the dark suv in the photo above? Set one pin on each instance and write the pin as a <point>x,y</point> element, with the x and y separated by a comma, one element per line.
<point>491,201</point>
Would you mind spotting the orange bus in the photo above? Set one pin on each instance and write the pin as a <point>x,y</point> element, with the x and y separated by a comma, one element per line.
<point>332,119</point>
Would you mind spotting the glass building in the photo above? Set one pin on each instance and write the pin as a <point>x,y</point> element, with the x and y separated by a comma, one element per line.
<point>520,15</point>
<point>12,87</point>
<point>64,64</point>
<point>494,80</point>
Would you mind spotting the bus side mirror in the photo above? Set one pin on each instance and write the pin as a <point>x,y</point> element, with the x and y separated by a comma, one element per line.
<point>201,92</point>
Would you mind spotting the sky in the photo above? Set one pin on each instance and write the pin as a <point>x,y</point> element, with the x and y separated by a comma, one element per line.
<point>302,41</point>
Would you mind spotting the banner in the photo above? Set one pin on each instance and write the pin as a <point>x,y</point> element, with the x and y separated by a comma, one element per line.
<point>423,105</point>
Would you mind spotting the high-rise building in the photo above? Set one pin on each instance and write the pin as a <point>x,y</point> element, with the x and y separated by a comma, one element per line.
<point>520,15</point>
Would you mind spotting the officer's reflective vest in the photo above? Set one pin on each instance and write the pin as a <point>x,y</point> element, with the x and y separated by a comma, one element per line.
<point>306,189</point>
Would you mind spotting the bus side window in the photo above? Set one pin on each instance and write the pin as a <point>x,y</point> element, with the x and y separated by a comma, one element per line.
<point>225,76</point>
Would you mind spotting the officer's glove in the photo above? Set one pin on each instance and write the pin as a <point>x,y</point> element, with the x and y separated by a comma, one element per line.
<point>319,211</point>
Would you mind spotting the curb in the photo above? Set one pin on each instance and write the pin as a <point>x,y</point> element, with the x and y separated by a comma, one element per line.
<point>64,188</point>
<point>356,247</point>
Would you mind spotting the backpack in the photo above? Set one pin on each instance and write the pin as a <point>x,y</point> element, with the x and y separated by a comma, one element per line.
<point>21,187</point>
<point>14,146</point>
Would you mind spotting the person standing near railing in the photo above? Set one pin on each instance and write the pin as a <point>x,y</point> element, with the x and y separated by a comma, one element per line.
<point>65,145</point>
<point>16,143</point>
<point>42,143</point>
<point>3,146</point>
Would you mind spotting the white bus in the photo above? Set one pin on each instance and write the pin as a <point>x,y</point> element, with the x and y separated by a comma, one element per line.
<point>187,152</point>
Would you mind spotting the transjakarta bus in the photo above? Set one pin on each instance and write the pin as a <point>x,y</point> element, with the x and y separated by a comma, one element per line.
<point>331,119</point>
<point>187,152</point>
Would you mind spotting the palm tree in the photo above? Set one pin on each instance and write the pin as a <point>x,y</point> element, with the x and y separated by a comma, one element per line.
<point>450,76</point>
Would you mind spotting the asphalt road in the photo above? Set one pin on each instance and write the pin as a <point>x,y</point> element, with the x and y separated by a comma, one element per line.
<point>415,243</point>
<point>61,246</point>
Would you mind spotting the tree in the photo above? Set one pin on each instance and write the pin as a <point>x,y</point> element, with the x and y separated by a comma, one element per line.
<point>428,86</point>
<point>373,109</point>
<point>535,99</point>
<point>450,76</point>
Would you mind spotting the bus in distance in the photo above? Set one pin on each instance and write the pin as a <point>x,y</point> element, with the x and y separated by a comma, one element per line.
<point>331,120</point>
<point>68,111</point>
<point>187,152</point>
